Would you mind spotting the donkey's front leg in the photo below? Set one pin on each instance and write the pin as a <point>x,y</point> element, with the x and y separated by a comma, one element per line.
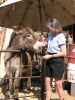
<point>16,85</point>
<point>29,73</point>
<point>8,86</point>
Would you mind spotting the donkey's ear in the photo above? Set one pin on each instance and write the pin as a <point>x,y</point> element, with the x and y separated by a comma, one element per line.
<point>30,29</point>
<point>16,28</point>
<point>13,27</point>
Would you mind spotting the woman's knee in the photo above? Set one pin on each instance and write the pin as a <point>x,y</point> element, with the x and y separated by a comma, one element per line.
<point>59,84</point>
<point>48,82</point>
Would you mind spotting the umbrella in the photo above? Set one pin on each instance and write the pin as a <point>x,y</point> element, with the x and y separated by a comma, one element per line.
<point>35,13</point>
<point>9,2</point>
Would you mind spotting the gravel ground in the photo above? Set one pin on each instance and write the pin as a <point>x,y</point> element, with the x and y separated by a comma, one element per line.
<point>34,93</point>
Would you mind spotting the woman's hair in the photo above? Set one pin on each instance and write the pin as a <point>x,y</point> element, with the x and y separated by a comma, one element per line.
<point>55,24</point>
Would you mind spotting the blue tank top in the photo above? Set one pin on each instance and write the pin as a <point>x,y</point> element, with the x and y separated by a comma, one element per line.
<point>54,42</point>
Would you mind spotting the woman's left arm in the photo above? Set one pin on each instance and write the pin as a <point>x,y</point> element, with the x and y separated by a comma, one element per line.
<point>63,51</point>
<point>60,54</point>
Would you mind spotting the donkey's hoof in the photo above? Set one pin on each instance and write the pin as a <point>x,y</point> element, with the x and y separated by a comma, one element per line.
<point>15,97</point>
<point>29,89</point>
<point>7,97</point>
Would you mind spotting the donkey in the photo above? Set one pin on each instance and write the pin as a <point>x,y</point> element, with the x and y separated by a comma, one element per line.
<point>16,63</point>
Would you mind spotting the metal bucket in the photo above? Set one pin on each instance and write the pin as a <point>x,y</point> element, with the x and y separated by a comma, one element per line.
<point>71,64</point>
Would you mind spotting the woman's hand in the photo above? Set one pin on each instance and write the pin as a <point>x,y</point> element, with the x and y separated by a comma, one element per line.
<point>46,57</point>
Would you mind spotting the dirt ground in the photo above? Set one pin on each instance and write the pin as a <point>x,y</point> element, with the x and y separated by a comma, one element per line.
<point>34,93</point>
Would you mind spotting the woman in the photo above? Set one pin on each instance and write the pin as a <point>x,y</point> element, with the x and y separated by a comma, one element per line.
<point>55,58</point>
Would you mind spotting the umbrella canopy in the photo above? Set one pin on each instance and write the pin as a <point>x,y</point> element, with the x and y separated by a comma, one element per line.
<point>9,2</point>
<point>35,13</point>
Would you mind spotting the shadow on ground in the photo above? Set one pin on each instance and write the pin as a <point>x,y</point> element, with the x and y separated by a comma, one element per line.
<point>67,86</point>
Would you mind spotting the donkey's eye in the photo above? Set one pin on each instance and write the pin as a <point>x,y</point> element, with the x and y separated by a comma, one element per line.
<point>29,35</point>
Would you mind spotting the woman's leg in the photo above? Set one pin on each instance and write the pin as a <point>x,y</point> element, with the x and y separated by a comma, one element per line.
<point>48,87</point>
<point>60,88</point>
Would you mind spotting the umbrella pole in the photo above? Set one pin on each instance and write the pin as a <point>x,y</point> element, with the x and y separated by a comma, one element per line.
<point>42,70</point>
<point>40,15</point>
